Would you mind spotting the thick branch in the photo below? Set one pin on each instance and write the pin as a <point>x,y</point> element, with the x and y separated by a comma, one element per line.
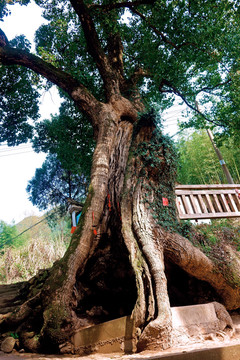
<point>211,88</point>
<point>115,53</point>
<point>79,93</point>
<point>95,49</point>
<point>13,56</point>
<point>138,74</point>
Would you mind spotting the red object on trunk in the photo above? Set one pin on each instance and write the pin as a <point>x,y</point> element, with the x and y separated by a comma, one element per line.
<point>109,202</point>
<point>165,201</point>
<point>73,229</point>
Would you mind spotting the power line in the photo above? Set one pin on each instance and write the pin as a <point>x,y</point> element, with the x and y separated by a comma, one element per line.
<point>179,132</point>
<point>12,148</point>
<point>15,151</point>
<point>19,153</point>
<point>171,116</point>
<point>15,148</point>
<point>45,218</point>
<point>171,122</point>
<point>172,119</point>
<point>7,152</point>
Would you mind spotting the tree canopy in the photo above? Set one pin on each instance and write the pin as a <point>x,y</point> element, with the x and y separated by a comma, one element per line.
<point>52,185</point>
<point>65,173</point>
<point>18,100</point>
<point>113,61</point>
<point>158,48</point>
<point>69,136</point>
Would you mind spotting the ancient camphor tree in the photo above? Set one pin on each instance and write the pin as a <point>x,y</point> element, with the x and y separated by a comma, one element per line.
<point>114,70</point>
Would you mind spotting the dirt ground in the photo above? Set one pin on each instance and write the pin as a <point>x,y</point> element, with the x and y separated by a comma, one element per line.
<point>200,343</point>
<point>203,342</point>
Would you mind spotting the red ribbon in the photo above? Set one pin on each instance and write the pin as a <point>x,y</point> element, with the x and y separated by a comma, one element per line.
<point>94,230</point>
<point>109,202</point>
<point>73,229</point>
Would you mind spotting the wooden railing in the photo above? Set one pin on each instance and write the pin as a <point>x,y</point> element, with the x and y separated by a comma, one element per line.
<point>208,201</point>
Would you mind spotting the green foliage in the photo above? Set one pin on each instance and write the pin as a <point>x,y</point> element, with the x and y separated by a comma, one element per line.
<point>68,139</point>
<point>184,48</point>
<point>8,236</point>
<point>61,42</point>
<point>60,227</point>
<point>185,228</point>
<point>7,232</point>
<point>18,100</point>
<point>223,101</point>
<point>212,237</point>
<point>199,164</point>
<point>52,185</point>
<point>69,136</point>
<point>157,174</point>
<point>192,50</point>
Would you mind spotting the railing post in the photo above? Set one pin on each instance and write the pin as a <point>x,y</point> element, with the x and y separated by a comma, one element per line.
<point>218,152</point>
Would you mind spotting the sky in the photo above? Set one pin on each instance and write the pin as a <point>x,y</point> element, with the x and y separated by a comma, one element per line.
<point>18,164</point>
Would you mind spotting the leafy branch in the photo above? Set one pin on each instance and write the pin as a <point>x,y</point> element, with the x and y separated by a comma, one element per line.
<point>158,32</point>
<point>175,91</point>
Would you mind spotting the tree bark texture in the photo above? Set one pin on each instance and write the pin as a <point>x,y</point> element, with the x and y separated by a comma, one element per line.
<point>115,264</point>
<point>126,241</point>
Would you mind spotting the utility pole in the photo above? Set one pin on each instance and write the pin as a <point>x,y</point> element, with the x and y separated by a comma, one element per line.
<point>218,152</point>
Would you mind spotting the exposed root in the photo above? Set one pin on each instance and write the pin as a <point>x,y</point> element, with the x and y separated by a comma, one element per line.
<point>156,335</point>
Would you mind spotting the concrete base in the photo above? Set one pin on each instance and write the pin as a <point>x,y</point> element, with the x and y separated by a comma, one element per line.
<point>112,336</point>
<point>193,315</point>
<point>119,335</point>
<point>195,320</point>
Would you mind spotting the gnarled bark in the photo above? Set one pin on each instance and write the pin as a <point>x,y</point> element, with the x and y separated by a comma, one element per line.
<point>119,248</point>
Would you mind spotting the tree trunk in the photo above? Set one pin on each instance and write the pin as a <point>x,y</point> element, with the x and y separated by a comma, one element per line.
<point>115,264</point>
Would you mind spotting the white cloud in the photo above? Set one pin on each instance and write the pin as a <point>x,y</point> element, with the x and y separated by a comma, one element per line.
<point>23,20</point>
<point>18,164</point>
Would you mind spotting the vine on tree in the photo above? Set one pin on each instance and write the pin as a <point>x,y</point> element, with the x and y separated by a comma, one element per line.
<point>157,166</point>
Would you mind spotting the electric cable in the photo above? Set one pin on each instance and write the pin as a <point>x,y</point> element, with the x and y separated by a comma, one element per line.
<point>46,217</point>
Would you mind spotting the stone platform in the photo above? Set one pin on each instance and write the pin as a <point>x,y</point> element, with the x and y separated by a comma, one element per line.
<point>196,320</point>
<point>112,336</point>
<point>119,335</point>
